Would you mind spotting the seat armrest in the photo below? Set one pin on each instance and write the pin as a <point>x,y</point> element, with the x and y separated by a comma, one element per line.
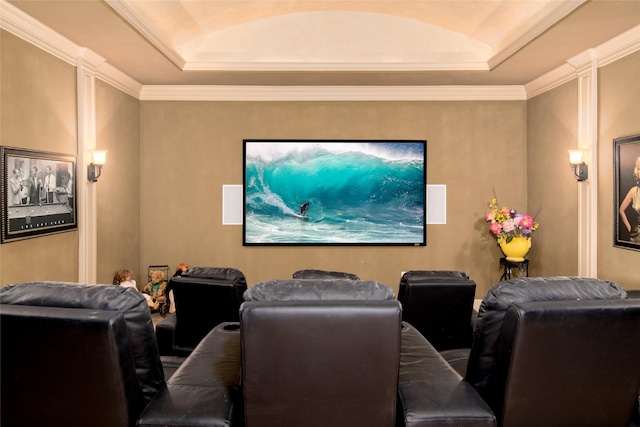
<point>205,390</point>
<point>633,293</point>
<point>165,334</point>
<point>431,393</point>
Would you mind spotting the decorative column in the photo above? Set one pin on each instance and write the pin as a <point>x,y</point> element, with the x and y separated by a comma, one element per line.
<point>87,64</point>
<point>586,66</point>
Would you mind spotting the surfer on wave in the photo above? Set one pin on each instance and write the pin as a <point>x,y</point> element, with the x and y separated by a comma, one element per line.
<point>303,208</point>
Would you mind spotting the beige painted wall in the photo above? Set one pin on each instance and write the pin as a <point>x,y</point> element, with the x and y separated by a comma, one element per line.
<point>39,112</point>
<point>191,149</point>
<point>159,200</point>
<point>618,95</point>
<point>552,129</point>
<point>118,190</point>
<point>38,106</point>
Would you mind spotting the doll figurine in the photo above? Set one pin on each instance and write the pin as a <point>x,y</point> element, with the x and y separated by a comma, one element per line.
<point>155,289</point>
<point>123,278</point>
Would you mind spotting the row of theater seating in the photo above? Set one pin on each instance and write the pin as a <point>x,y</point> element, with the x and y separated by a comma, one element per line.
<point>311,352</point>
<point>437,303</point>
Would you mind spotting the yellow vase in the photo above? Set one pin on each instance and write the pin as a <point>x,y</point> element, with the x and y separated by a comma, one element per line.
<point>516,249</point>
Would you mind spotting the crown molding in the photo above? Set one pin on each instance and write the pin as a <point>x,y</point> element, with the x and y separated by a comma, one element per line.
<point>618,47</point>
<point>550,80</point>
<point>562,10</point>
<point>606,53</point>
<point>33,31</point>
<point>130,13</point>
<point>583,61</point>
<point>337,66</point>
<point>332,93</point>
<point>89,59</point>
<point>116,78</point>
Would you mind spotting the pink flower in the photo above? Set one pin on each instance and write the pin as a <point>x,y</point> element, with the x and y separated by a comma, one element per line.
<point>495,228</point>
<point>509,225</point>
<point>526,222</point>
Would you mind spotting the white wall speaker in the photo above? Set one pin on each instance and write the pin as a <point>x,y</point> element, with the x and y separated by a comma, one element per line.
<point>436,204</point>
<point>232,205</point>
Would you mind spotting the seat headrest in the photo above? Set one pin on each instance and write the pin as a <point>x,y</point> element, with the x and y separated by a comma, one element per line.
<point>561,288</point>
<point>126,300</point>
<point>229,275</point>
<point>323,274</point>
<point>318,290</point>
<point>428,275</point>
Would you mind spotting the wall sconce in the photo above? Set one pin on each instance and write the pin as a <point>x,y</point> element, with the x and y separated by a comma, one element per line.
<point>579,166</point>
<point>95,167</point>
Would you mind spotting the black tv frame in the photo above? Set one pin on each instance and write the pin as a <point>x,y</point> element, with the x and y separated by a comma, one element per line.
<point>349,188</point>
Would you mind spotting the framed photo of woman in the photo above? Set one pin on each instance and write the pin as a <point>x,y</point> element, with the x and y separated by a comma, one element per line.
<point>626,192</point>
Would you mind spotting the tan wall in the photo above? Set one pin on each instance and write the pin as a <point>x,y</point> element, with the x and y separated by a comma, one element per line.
<point>618,95</point>
<point>159,200</point>
<point>191,149</point>
<point>39,112</point>
<point>118,190</point>
<point>38,106</point>
<point>552,129</point>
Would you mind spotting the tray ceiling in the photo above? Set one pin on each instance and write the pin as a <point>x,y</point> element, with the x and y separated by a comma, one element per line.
<point>333,42</point>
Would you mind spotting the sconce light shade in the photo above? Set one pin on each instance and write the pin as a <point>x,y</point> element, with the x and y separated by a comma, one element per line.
<point>99,157</point>
<point>94,170</point>
<point>580,168</point>
<point>575,157</point>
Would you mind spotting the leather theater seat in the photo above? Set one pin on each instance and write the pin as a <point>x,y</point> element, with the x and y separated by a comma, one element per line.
<point>66,347</point>
<point>319,353</point>
<point>206,390</point>
<point>204,297</point>
<point>439,304</point>
<point>557,351</point>
<point>85,355</point>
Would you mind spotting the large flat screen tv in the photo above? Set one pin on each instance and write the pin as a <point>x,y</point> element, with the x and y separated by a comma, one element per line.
<point>334,192</point>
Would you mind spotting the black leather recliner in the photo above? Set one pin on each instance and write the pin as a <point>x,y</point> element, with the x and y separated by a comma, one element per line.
<point>36,384</point>
<point>554,351</point>
<point>206,390</point>
<point>320,353</point>
<point>557,351</point>
<point>204,297</point>
<point>439,304</point>
<point>66,347</point>
<point>85,355</point>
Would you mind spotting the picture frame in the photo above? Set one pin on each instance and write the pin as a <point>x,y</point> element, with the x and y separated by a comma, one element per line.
<point>38,194</point>
<point>626,192</point>
<point>334,192</point>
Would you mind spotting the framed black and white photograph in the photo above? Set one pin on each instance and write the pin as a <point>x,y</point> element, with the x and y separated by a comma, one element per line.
<point>38,193</point>
<point>334,192</point>
<point>626,192</point>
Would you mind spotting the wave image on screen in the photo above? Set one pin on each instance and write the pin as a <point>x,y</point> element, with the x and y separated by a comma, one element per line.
<point>334,192</point>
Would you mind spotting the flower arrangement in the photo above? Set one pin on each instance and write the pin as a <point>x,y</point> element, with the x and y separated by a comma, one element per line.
<point>507,223</point>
